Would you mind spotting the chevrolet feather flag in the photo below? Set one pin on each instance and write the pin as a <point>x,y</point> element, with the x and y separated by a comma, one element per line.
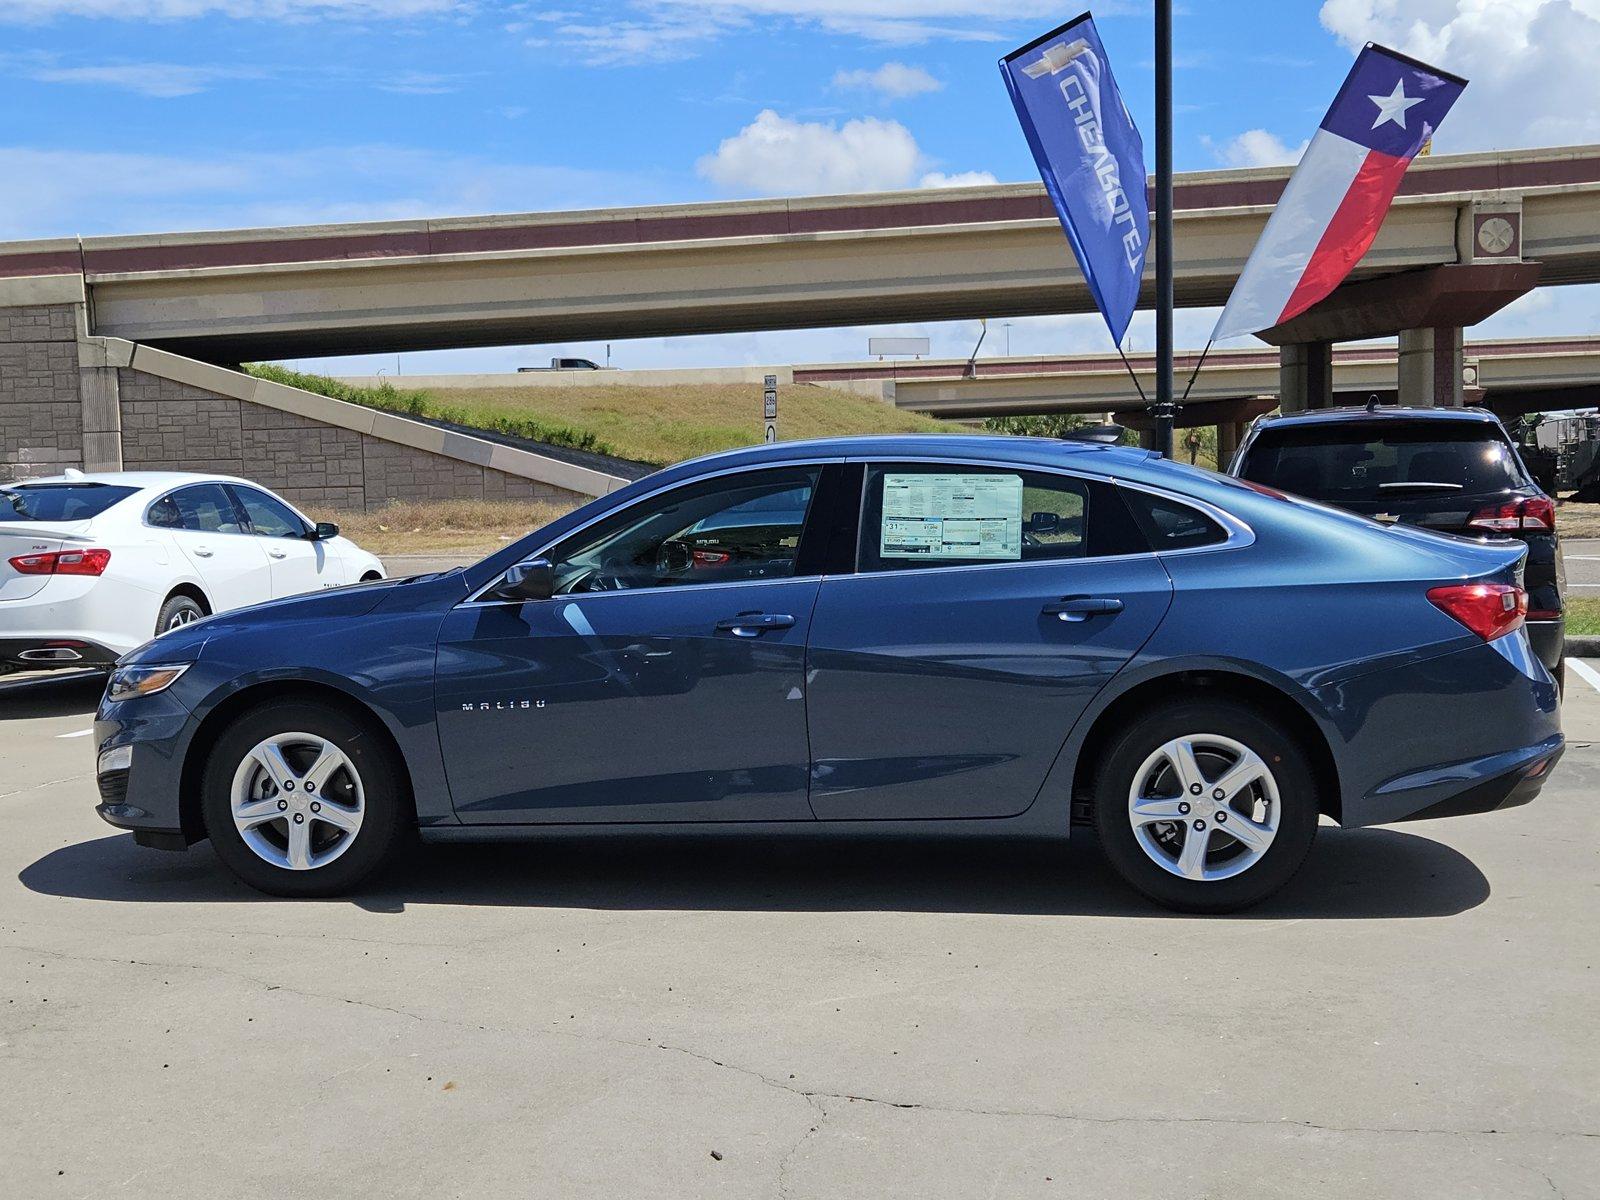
<point>1091,157</point>
<point>1335,201</point>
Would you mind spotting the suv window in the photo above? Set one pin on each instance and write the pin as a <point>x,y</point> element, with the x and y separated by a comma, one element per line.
<point>936,514</point>
<point>59,501</point>
<point>269,517</point>
<point>203,507</point>
<point>730,529</point>
<point>1384,460</point>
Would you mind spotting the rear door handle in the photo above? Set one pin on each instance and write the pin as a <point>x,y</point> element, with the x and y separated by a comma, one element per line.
<point>1081,608</point>
<point>754,624</point>
<point>277,554</point>
<point>202,552</point>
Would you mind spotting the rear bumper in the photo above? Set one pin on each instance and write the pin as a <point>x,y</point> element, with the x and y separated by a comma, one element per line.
<point>1468,731</point>
<point>1504,789</point>
<point>40,652</point>
<point>1549,641</point>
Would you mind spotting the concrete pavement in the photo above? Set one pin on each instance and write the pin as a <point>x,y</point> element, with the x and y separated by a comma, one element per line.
<point>1413,1018</point>
<point>1583,565</point>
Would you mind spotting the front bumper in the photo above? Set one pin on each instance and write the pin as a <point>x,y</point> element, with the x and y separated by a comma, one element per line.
<point>140,789</point>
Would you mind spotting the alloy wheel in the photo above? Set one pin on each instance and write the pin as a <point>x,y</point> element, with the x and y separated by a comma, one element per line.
<point>297,801</point>
<point>1204,807</point>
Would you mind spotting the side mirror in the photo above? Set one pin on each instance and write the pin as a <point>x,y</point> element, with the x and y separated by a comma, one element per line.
<point>533,579</point>
<point>324,531</point>
<point>673,558</point>
<point>1044,522</point>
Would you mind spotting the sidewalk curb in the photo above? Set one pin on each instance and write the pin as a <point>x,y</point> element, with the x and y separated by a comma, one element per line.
<point>1581,645</point>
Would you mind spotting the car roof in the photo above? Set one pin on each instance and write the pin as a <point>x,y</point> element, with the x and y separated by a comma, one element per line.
<point>982,447</point>
<point>143,480</point>
<point>1381,412</point>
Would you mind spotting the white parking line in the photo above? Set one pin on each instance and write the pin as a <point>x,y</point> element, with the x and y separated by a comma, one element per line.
<point>1586,673</point>
<point>76,733</point>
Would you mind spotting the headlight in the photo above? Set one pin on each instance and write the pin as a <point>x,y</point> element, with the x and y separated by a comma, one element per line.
<point>128,682</point>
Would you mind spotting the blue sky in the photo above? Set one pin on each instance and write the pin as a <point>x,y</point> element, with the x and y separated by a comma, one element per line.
<point>149,115</point>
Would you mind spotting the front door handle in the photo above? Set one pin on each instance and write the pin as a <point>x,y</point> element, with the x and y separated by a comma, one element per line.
<point>202,552</point>
<point>277,554</point>
<point>754,624</point>
<point>1081,608</point>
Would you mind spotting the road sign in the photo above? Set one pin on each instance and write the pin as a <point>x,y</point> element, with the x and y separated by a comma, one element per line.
<point>878,347</point>
<point>769,407</point>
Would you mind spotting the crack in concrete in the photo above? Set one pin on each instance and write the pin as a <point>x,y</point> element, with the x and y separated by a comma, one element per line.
<point>817,1097</point>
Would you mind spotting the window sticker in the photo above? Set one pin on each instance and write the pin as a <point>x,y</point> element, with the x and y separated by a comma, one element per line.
<point>952,516</point>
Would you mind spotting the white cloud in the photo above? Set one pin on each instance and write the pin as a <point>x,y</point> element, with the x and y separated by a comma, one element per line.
<point>938,179</point>
<point>53,193</point>
<point>776,155</point>
<point>893,81</point>
<point>1531,62</point>
<point>34,11</point>
<point>164,80</point>
<point>1254,148</point>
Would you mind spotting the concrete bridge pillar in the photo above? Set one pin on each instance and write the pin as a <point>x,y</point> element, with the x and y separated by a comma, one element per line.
<point>1305,375</point>
<point>1431,367</point>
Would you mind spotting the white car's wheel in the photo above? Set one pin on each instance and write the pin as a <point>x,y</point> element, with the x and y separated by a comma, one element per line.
<point>177,612</point>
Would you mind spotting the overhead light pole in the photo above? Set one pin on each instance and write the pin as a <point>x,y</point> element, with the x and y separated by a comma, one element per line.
<point>1163,410</point>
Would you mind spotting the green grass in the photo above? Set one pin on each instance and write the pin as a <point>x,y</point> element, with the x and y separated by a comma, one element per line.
<point>416,403</point>
<point>657,425</point>
<point>1583,615</point>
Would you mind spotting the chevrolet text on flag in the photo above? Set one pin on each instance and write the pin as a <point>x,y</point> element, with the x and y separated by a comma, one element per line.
<point>1337,197</point>
<point>1091,158</point>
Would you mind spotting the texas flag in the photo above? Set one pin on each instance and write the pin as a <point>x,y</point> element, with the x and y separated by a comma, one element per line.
<point>1338,196</point>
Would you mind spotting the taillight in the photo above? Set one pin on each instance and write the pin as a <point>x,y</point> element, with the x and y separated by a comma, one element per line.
<point>1536,514</point>
<point>711,558</point>
<point>1490,610</point>
<point>62,562</point>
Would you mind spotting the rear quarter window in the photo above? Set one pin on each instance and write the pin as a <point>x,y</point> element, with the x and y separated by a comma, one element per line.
<point>1169,524</point>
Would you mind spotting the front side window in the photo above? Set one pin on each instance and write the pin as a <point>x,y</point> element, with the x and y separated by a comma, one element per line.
<point>732,529</point>
<point>204,508</point>
<point>927,515</point>
<point>269,517</point>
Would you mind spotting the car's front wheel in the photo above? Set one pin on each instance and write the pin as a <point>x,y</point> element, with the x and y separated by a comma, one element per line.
<point>1206,805</point>
<point>303,799</point>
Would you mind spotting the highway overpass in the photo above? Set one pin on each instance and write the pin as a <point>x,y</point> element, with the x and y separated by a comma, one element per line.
<point>751,265</point>
<point>1511,376</point>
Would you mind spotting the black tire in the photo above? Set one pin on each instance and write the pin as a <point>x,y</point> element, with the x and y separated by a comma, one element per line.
<point>386,819</point>
<point>178,610</point>
<point>1297,820</point>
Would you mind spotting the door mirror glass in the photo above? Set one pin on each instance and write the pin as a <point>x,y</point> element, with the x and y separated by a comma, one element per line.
<point>1043,522</point>
<point>532,579</point>
<point>324,531</point>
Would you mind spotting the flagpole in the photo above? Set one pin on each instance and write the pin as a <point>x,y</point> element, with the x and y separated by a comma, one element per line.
<point>1163,410</point>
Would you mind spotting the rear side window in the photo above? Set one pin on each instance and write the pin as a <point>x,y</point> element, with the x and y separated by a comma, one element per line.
<point>204,508</point>
<point>918,515</point>
<point>1170,525</point>
<point>1345,463</point>
<point>59,501</point>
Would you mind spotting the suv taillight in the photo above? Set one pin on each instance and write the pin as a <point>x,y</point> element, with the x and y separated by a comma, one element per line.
<point>1490,610</point>
<point>62,562</point>
<point>1536,514</point>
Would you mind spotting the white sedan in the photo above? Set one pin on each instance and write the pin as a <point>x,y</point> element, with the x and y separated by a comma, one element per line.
<point>92,565</point>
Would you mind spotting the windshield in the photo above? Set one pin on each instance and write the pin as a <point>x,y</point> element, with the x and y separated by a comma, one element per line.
<point>1341,464</point>
<point>59,501</point>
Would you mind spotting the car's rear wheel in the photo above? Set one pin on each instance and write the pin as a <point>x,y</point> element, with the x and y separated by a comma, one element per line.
<point>177,612</point>
<point>303,799</point>
<point>1206,805</point>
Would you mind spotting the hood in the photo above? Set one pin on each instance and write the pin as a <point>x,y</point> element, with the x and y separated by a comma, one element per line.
<point>186,643</point>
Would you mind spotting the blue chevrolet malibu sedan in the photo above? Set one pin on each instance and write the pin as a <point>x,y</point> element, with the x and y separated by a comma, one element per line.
<point>941,636</point>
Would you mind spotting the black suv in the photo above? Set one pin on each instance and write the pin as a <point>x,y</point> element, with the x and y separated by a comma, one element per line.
<point>1455,470</point>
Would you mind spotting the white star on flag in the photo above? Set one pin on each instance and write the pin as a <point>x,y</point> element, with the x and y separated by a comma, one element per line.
<point>1393,106</point>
